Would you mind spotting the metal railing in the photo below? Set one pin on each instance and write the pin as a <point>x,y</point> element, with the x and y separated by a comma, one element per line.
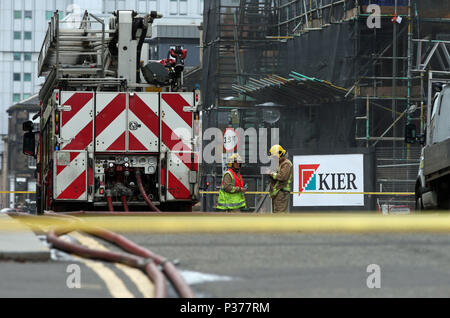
<point>50,37</point>
<point>62,44</point>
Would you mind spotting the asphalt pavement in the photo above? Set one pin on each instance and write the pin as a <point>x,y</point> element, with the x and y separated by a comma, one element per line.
<point>47,280</point>
<point>29,267</point>
<point>305,265</point>
<point>20,243</point>
<point>69,276</point>
<point>251,265</point>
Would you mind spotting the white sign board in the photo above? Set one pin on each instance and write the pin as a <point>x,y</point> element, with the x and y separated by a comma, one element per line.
<point>32,186</point>
<point>341,174</point>
<point>230,140</point>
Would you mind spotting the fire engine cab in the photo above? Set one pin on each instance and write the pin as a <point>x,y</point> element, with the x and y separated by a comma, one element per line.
<point>117,132</point>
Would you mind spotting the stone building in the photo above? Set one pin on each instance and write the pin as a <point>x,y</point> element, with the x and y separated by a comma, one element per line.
<point>18,173</point>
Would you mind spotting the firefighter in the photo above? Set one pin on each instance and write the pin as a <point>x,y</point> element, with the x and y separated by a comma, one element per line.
<point>280,181</point>
<point>231,194</point>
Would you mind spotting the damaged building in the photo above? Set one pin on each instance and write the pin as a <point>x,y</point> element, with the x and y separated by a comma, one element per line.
<point>334,76</point>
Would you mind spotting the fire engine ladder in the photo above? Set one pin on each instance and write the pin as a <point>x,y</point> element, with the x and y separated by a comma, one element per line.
<point>72,53</point>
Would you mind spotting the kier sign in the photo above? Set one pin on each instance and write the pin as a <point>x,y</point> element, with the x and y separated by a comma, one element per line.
<point>328,180</point>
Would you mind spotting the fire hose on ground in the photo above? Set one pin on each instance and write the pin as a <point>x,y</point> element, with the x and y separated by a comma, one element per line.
<point>137,256</point>
<point>169,269</point>
<point>128,259</point>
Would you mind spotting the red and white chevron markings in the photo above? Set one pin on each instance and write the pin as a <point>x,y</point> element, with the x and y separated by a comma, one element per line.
<point>125,122</point>
<point>143,122</point>
<point>176,135</point>
<point>110,122</point>
<point>70,175</point>
<point>77,124</point>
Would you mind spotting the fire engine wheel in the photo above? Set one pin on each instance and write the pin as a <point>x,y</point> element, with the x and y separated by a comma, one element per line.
<point>177,207</point>
<point>39,208</point>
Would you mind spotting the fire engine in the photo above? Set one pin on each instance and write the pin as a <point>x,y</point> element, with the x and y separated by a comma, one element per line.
<point>117,131</point>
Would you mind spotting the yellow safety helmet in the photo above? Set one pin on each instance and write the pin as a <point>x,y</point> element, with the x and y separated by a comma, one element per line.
<point>277,150</point>
<point>234,158</point>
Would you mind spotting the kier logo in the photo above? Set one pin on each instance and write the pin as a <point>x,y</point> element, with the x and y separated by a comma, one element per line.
<point>327,181</point>
<point>307,177</point>
<point>331,178</point>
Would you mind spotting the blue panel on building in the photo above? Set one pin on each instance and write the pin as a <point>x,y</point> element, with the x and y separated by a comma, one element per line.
<point>400,3</point>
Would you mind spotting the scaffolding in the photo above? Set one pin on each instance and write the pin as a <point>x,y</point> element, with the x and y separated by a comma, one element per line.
<point>388,89</point>
<point>300,16</point>
<point>383,68</point>
<point>239,42</point>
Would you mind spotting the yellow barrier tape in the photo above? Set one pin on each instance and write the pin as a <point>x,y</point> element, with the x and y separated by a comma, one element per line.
<point>368,193</point>
<point>263,192</point>
<point>27,192</point>
<point>254,223</point>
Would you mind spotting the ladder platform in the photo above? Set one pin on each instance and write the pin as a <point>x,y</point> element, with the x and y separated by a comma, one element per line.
<point>73,47</point>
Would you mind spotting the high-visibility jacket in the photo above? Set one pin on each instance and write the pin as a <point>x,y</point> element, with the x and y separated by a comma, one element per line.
<point>232,200</point>
<point>282,179</point>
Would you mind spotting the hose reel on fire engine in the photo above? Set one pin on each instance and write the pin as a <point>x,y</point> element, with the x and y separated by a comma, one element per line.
<point>167,71</point>
<point>155,73</point>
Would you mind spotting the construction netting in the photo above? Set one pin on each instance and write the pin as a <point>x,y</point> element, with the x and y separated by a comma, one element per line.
<point>253,45</point>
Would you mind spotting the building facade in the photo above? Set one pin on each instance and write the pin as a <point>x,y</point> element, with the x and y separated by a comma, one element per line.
<point>18,173</point>
<point>23,25</point>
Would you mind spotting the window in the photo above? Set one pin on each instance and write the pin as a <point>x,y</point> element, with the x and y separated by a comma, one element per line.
<point>152,6</point>
<point>142,7</point>
<point>25,96</point>
<point>27,35</point>
<point>27,77</point>
<point>121,5</point>
<point>17,35</point>
<point>28,14</point>
<point>49,14</point>
<point>17,14</point>
<point>17,56</point>
<point>16,77</point>
<point>173,7</point>
<point>183,7</point>
<point>21,184</point>
<point>27,56</point>
<point>16,98</point>
<point>31,165</point>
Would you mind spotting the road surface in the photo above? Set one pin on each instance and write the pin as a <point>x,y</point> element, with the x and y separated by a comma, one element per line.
<point>261,265</point>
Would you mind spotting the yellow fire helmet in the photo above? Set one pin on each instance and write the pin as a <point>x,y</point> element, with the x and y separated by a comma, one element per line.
<point>277,150</point>
<point>234,158</point>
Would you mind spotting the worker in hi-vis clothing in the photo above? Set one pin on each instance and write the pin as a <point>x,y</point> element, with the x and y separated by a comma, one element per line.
<point>280,181</point>
<point>231,194</point>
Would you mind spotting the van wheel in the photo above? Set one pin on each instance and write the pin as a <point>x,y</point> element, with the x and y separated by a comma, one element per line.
<point>419,204</point>
<point>419,201</point>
